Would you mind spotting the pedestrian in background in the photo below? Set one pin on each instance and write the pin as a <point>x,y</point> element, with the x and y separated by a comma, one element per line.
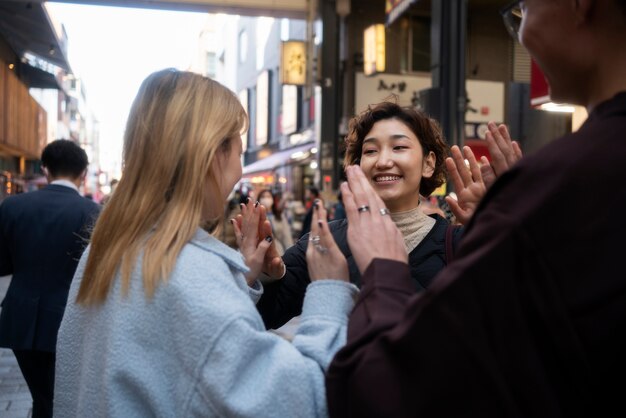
<point>161,319</point>
<point>42,236</point>
<point>113,185</point>
<point>339,211</point>
<point>529,319</point>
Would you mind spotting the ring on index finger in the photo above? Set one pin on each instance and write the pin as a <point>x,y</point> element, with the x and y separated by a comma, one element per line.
<point>384,211</point>
<point>364,208</point>
<point>315,240</point>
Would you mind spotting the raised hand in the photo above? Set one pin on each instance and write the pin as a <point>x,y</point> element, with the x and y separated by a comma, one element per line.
<point>504,153</point>
<point>371,232</point>
<point>252,244</point>
<point>273,264</point>
<point>324,259</point>
<point>467,182</point>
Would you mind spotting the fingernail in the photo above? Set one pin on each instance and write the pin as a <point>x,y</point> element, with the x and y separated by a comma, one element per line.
<point>268,238</point>
<point>256,204</point>
<point>241,205</point>
<point>248,200</point>
<point>232,221</point>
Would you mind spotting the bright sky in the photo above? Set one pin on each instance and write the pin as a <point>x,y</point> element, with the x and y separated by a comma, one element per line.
<point>113,49</point>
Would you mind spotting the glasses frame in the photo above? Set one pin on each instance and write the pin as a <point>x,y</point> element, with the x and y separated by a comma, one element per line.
<point>507,16</point>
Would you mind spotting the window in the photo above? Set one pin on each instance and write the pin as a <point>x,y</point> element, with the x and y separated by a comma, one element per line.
<point>419,44</point>
<point>211,64</point>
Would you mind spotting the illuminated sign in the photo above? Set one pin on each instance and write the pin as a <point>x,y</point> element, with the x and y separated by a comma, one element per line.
<point>374,49</point>
<point>293,63</point>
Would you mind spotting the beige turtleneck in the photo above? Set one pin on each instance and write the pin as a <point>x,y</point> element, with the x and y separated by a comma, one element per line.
<point>414,226</point>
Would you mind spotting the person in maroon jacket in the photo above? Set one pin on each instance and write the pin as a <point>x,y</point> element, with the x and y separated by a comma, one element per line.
<point>529,319</point>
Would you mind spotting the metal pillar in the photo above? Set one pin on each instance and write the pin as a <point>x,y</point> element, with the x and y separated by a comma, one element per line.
<point>448,37</point>
<point>330,83</point>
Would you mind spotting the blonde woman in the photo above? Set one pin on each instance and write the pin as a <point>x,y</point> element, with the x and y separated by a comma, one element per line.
<point>161,317</point>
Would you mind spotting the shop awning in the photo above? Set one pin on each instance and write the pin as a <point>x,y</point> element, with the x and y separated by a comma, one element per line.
<point>28,28</point>
<point>283,157</point>
<point>40,79</point>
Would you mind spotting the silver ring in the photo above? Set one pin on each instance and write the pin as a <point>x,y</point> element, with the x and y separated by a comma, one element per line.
<point>384,211</point>
<point>321,248</point>
<point>315,239</point>
<point>364,208</point>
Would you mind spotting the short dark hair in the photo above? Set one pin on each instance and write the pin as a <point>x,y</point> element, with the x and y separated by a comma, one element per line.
<point>427,131</point>
<point>64,157</point>
<point>314,191</point>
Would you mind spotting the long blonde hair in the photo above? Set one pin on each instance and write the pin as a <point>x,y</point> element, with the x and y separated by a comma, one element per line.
<point>178,122</point>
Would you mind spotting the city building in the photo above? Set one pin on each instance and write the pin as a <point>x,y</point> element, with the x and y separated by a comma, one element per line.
<point>40,99</point>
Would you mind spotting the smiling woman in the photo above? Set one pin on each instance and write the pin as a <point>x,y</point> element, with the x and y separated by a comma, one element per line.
<point>402,152</point>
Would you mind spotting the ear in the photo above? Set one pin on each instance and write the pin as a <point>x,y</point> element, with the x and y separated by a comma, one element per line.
<point>428,165</point>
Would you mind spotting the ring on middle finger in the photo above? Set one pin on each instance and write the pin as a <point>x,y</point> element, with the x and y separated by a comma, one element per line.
<point>321,248</point>
<point>364,208</point>
<point>315,239</point>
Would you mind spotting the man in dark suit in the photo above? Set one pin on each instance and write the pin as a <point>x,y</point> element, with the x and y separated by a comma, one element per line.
<point>42,236</point>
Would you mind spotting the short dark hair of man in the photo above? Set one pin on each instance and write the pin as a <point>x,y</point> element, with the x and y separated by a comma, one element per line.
<point>64,158</point>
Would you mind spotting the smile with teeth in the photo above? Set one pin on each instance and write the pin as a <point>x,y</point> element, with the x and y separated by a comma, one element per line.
<point>386,178</point>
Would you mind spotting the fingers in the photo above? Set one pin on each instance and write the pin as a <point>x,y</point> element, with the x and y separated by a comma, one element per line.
<point>453,170</point>
<point>474,168</point>
<point>364,194</point>
<point>517,149</point>
<point>507,145</point>
<point>461,166</point>
<point>504,152</point>
<point>250,214</point>
<point>456,209</point>
<point>314,219</point>
<point>348,202</point>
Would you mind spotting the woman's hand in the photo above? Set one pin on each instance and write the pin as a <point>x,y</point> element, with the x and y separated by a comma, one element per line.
<point>324,259</point>
<point>252,245</point>
<point>467,182</point>
<point>371,232</point>
<point>273,264</point>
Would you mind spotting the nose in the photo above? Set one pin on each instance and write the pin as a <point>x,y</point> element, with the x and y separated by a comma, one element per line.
<point>385,159</point>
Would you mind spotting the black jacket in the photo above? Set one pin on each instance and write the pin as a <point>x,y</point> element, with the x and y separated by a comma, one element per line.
<point>282,300</point>
<point>42,237</point>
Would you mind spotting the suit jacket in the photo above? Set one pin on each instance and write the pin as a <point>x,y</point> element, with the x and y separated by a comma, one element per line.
<point>42,236</point>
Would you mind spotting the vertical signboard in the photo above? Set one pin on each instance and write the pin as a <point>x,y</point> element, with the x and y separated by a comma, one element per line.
<point>374,49</point>
<point>293,63</point>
